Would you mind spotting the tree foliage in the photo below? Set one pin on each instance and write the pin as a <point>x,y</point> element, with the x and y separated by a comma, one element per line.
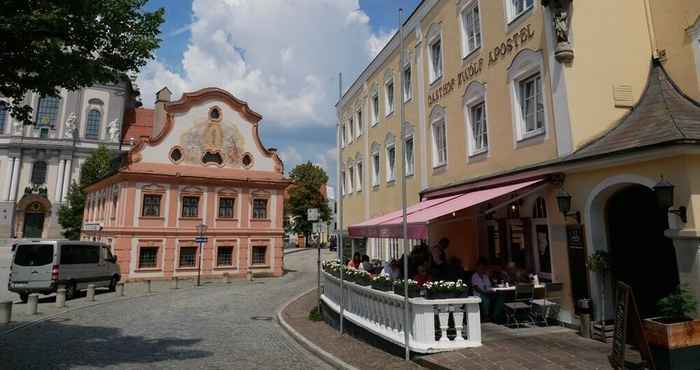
<point>47,45</point>
<point>304,193</point>
<point>70,216</point>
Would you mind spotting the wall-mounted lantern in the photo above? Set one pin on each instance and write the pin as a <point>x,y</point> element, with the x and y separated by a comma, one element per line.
<point>664,197</point>
<point>564,204</point>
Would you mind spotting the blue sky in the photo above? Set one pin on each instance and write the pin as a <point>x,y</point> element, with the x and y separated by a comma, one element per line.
<point>282,56</point>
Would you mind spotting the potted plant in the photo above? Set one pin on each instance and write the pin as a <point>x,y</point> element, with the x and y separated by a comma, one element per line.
<point>332,267</point>
<point>383,283</point>
<point>358,277</point>
<point>674,337</point>
<point>413,288</point>
<point>445,289</point>
<point>599,262</point>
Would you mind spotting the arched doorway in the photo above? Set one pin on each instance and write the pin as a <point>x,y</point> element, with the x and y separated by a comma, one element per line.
<point>32,211</point>
<point>641,255</point>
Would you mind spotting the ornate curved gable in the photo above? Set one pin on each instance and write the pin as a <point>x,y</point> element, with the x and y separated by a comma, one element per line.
<point>211,128</point>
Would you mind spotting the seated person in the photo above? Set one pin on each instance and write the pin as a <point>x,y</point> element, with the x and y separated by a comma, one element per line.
<point>366,265</point>
<point>482,287</point>
<point>392,270</point>
<point>422,276</point>
<point>355,261</point>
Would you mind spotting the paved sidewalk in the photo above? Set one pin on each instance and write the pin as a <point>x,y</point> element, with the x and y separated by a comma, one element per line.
<point>47,304</point>
<point>561,349</point>
<point>347,348</point>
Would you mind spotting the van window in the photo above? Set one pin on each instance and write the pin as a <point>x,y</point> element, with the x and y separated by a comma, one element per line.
<point>34,255</point>
<point>77,254</point>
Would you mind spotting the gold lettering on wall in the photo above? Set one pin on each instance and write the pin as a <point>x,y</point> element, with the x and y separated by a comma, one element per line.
<point>513,43</point>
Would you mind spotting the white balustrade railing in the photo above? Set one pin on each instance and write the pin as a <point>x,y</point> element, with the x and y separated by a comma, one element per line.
<point>434,325</point>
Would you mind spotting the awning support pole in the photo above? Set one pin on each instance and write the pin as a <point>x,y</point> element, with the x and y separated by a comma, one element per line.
<point>402,123</point>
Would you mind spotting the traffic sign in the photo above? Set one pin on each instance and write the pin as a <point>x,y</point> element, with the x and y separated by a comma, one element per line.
<point>312,214</point>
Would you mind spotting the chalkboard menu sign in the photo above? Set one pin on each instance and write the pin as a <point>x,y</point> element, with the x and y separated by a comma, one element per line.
<point>627,319</point>
<point>577,263</point>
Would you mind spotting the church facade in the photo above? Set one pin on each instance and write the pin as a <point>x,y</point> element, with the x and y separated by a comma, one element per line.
<point>204,170</point>
<point>39,162</point>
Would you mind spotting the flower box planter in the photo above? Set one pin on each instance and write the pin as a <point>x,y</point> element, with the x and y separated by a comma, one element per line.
<point>674,344</point>
<point>362,282</point>
<point>412,292</point>
<point>444,295</point>
<point>383,287</point>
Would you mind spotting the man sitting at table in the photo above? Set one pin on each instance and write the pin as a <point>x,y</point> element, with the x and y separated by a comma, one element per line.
<point>482,288</point>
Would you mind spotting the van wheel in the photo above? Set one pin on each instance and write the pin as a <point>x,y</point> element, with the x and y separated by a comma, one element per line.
<point>113,284</point>
<point>70,291</point>
<point>24,297</point>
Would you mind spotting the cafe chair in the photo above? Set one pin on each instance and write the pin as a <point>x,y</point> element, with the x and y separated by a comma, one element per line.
<point>547,308</point>
<point>520,306</point>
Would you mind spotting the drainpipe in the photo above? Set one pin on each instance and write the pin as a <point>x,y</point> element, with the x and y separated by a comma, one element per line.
<point>650,28</point>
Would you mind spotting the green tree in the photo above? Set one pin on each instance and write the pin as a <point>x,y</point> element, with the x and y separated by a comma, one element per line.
<point>304,193</point>
<point>70,216</point>
<point>51,44</point>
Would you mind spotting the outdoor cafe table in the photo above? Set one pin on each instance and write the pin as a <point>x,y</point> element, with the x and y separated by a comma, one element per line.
<point>503,294</point>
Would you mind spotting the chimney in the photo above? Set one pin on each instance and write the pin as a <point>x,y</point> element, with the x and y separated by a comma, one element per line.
<point>162,98</point>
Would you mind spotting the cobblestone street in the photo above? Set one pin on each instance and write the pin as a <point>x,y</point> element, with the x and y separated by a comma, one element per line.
<point>211,327</point>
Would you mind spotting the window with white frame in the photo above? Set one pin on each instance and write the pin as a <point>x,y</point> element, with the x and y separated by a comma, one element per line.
<point>435,51</point>
<point>342,135</point>
<point>439,143</point>
<point>391,162</point>
<point>351,178</point>
<point>375,169</point>
<point>408,155</point>
<point>531,105</point>
<point>517,7</point>
<point>358,180</point>
<point>478,139</point>
<point>359,122</point>
<point>389,92</point>
<point>351,130</point>
<point>3,116</point>
<point>471,28</point>
<point>343,187</point>
<point>406,79</point>
<point>375,107</point>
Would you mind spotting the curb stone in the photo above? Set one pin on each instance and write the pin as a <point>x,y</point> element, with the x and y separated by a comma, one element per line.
<point>304,342</point>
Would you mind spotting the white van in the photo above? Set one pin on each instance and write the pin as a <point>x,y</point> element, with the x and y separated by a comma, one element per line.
<point>40,266</point>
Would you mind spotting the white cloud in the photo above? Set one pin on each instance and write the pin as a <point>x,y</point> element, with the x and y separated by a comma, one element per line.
<point>282,57</point>
<point>376,42</point>
<point>291,157</point>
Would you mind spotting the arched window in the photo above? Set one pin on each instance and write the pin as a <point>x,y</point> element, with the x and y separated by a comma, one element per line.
<point>539,210</point>
<point>92,129</point>
<point>47,111</point>
<point>39,173</point>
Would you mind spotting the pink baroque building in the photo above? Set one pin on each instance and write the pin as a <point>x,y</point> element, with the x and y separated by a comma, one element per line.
<point>202,162</point>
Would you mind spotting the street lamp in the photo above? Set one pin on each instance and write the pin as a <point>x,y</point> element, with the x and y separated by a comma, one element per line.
<point>564,204</point>
<point>664,197</point>
<point>201,239</point>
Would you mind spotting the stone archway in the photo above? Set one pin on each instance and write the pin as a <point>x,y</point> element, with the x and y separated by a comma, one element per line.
<point>33,211</point>
<point>598,236</point>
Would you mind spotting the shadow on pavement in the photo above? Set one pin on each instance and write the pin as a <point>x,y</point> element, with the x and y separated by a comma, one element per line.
<point>58,344</point>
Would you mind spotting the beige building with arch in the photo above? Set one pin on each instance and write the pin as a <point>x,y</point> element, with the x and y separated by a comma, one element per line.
<point>595,98</point>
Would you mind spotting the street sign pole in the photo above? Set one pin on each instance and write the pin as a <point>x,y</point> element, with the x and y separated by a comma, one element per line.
<point>312,215</point>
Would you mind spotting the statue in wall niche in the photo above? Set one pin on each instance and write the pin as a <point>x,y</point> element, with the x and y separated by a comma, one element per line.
<point>70,126</point>
<point>564,53</point>
<point>113,130</point>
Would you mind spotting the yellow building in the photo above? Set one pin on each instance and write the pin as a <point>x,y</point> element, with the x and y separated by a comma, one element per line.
<point>509,104</point>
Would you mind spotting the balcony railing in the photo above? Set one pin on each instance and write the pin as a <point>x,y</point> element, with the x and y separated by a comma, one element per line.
<point>433,325</point>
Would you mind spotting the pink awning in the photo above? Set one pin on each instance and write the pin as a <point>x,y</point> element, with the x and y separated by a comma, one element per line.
<point>420,215</point>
